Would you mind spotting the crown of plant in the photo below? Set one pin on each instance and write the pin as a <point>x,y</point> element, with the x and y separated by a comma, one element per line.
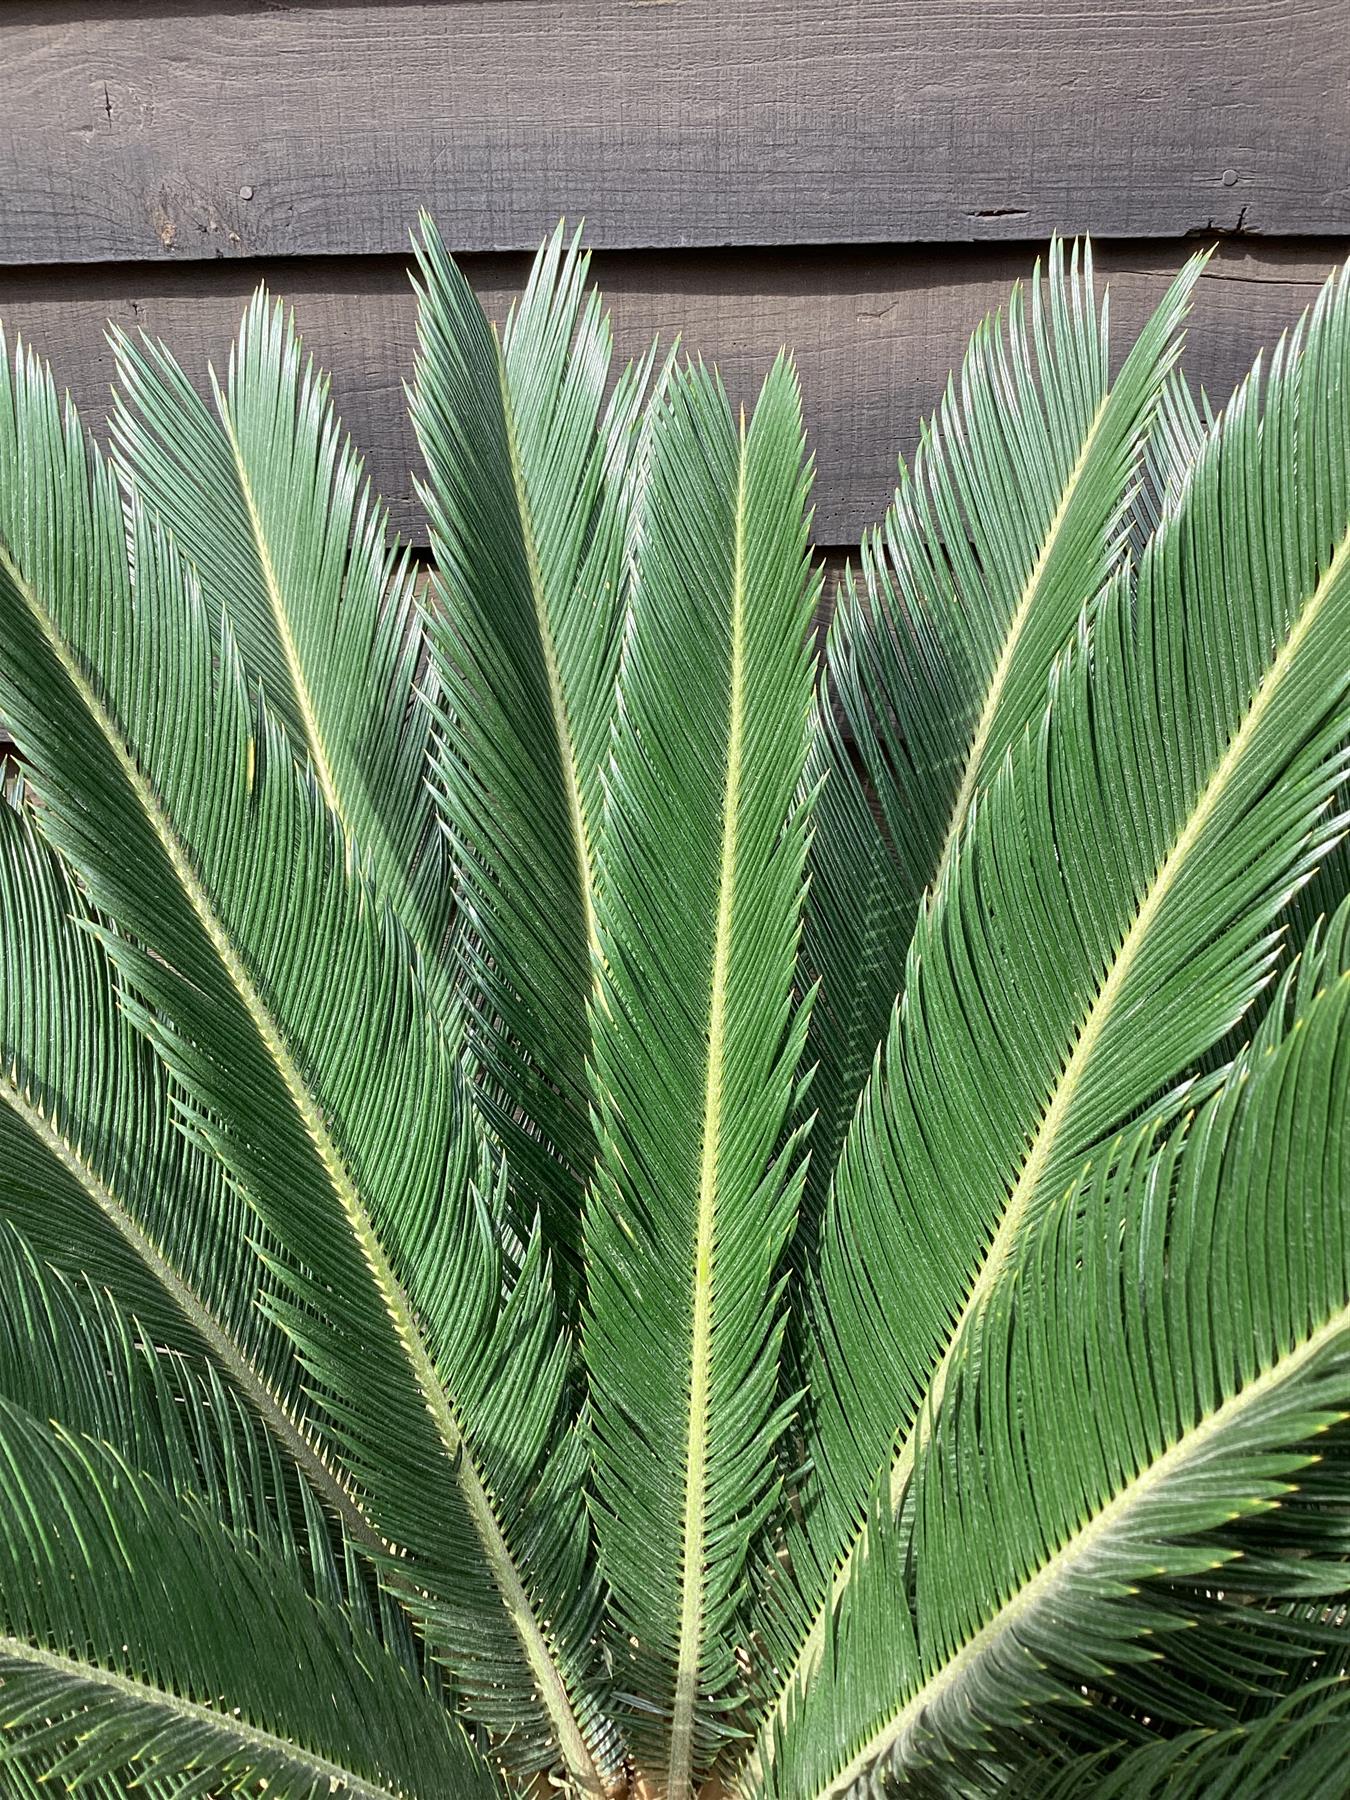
<point>595,1198</point>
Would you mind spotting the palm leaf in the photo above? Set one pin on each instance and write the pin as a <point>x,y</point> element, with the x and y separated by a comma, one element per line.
<point>1014,513</point>
<point>108,1656</point>
<point>1126,1416</point>
<point>97,1174</point>
<point>469,1319</point>
<point>1326,890</point>
<point>1113,905</point>
<point>69,1354</point>
<point>1325,893</point>
<point>697,1042</point>
<point>1316,946</point>
<point>529,497</point>
<point>268,501</point>
<point>1330,884</point>
<point>1174,441</point>
<point>1296,1746</point>
<point>32,1774</point>
<point>244,939</point>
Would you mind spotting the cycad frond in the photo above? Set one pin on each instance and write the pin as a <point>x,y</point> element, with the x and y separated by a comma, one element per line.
<point>70,1355</point>
<point>697,1042</point>
<point>1294,1747</point>
<point>268,501</point>
<point>1128,866</point>
<point>1174,440</point>
<point>1125,1416</point>
<point>32,1775</point>
<point>1313,959</point>
<point>1014,513</point>
<point>409,1343</point>
<point>109,1657</point>
<point>1327,889</point>
<point>262,967</point>
<point>529,493</point>
<point>97,1173</point>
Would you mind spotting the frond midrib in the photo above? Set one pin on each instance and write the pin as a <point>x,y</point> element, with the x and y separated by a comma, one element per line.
<point>1042,1143</point>
<point>193,1712</point>
<point>529,1631</point>
<point>692,1556</point>
<point>1062,1563</point>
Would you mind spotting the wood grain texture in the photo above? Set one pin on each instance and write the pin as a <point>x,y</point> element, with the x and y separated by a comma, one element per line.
<point>144,129</point>
<point>875,332</point>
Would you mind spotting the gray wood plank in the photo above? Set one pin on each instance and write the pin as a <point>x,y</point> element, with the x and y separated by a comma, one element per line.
<point>154,130</point>
<point>875,332</point>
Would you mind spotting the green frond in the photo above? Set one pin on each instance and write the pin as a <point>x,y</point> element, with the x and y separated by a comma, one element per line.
<point>112,1656</point>
<point>1295,1747</point>
<point>1113,906</point>
<point>529,494</point>
<point>1156,1397</point>
<point>259,963</point>
<point>697,1043</point>
<point>99,1177</point>
<point>1174,440</point>
<point>1013,515</point>
<point>1321,956</point>
<point>1326,891</point>
<point>1331,882</point>
<point>95,1170</point>
<point>579,1211</point>
<point>268,501</point>
<point>32,1776</point>
<point>70,1355</point>
<point>1238,1657</point>
<point>1329,886</point>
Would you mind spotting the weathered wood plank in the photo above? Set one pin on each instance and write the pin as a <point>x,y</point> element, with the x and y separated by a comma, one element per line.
<point>154,129</point>
<point>875,332</point>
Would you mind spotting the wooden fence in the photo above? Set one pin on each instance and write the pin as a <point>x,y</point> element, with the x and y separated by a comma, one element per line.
<point>859,181</point>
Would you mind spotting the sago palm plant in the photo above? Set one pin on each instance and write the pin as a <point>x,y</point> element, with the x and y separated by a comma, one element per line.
<point>590,1204</point>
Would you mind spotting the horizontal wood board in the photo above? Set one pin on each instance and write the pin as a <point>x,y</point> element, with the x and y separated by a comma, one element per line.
<point>145,130</point>
<point>875,332</point>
